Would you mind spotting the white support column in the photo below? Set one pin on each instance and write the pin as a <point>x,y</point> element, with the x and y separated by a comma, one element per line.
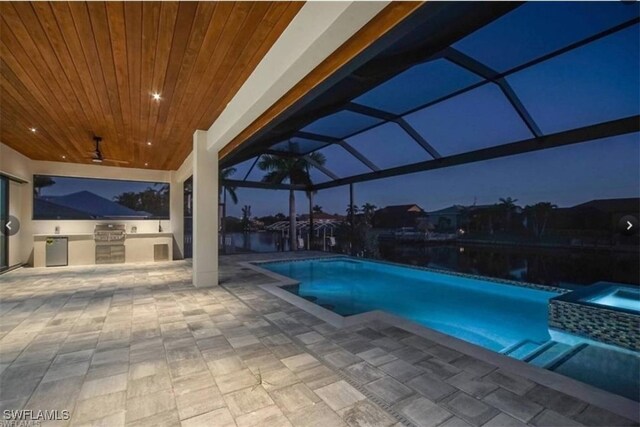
<point>205,212</point>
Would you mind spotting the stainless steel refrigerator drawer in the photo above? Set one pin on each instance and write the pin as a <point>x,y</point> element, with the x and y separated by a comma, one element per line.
<point>57,251</point>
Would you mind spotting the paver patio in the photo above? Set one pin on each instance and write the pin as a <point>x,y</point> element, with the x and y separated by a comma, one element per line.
<point>139,345</point>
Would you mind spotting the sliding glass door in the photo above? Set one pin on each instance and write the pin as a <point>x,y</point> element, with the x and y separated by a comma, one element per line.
<point>4,215</point>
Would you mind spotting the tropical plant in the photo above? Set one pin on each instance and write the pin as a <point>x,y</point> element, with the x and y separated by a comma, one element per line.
<point>368,210</point>
<point>296,172</point>
<point>538,216</point>
<point>224,175</point>
<point>508,207</point>
<point>352,210</point>
<point>317,209</point>
<point>41,181</point>
<point>246,217</point>
<point>153,200</point>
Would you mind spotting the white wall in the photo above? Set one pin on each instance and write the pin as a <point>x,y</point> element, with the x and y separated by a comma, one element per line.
<point>178,177</point>
<point>21,201</point>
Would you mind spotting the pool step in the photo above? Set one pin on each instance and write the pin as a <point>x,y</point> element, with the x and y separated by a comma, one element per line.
<point>548,354</point>
<point>520,349</point>
<point>566,355</point>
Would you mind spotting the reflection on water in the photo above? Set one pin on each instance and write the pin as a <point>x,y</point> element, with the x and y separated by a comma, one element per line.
<point>558,267</point>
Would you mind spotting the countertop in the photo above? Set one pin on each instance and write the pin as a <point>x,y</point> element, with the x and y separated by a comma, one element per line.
<point>128,235</point>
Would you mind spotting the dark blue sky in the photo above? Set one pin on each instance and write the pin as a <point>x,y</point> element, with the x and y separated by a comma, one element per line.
<point>595,83</point>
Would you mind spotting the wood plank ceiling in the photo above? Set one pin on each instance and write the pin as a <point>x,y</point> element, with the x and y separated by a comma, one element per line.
<point>78,69</point>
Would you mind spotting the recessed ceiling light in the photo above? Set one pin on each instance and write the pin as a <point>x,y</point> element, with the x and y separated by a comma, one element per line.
<point>33,130</point>
<point>156,96</point>
<point>149,143</point>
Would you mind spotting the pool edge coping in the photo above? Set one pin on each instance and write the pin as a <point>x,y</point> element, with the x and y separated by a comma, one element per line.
<point>592,395</point>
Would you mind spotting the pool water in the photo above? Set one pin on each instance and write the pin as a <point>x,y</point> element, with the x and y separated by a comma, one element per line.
<point>620,297</point>
<point>508,319</point>
<point>494,316</point>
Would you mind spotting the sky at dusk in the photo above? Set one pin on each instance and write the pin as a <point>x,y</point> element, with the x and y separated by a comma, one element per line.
<point>595,83</point>
<point>609,168</point>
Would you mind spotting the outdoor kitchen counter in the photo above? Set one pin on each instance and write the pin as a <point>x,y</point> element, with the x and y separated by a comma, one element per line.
<point>139,247</point>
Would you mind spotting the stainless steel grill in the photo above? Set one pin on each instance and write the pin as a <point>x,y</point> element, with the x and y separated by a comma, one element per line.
<point>109,239</point>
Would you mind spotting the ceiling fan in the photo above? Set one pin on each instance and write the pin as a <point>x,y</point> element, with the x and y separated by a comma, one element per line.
<point>97,157</point>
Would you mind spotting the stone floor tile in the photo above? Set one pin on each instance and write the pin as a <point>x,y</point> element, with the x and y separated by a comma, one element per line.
<point>60,394</point>
<point>366,414</point>
<point>389,390</point>
<point>243,341</point>
<point>455,422</point>
<point>470,384</point>
<point>550,418</point>
<point>319,415</point>
<point>114,420</point>
<point>504,420</point>
<point>469,408</point>
<point>147,368</point>
<point>473,366</point>
<point>318,376</point>
<point>323,347</point>
<point>187,367</point>
<point>218,418</point>
<point>292,398</point>
<point>301,362</point>
<point>423,412</point>
<point>559,402</point>
<point>263,364</point>
<point>341,359</point>
<point>150,404</point>
<point>236,381</point>
<point>513,404</point>
<point>339,395</point>
<point>148,385</point>
<point>439,368</point>
<point>192,382</point>
<point>200,401</point>
<point>512,382</point>
<point>400,370</point>
<point>247,400</point>
<point>310,337</point>
<point>594,416</point>
<point>364,373</point>
<point>66,370</point>
<point>275,379</point>
<point>377,356</point>
<point>431,387</point>
<point>357,345</point>
<point>270,416</point>
<point>99,407</point>
<point>225,365</point>
<point>101,386</point>
<point>410,355</point>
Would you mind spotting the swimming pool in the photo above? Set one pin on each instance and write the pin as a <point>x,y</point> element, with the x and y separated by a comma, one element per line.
<point>509,319</point>
<point>627,298</point>
<point>492,315</point>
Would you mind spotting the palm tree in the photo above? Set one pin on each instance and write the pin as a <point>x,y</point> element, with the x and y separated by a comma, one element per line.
<point>368,210</point>
<point>539,215</point>
<point>296,171</point>
<point>317,209</point>
<point>41,181</point>
<point>224,175</point>
<point>355,210</point>
<point>508,206</point>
